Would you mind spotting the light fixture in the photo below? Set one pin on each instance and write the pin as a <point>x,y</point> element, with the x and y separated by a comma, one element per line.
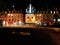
<point>51,12</point>
<point>58,20</point>
<point>54,12</point>
<point>8,14</point>
<point>13,6</point>
<point>54,20</point>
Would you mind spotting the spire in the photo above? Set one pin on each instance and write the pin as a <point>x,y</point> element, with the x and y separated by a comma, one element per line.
<point>30,6</point>
<point>30,9</point>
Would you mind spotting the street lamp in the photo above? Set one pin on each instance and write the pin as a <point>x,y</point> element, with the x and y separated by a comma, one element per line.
<point>13,6</point>
<point>51,12</point>
<point>54,12</point>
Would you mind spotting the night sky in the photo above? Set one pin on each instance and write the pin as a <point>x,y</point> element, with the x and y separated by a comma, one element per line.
<point>38,4</point>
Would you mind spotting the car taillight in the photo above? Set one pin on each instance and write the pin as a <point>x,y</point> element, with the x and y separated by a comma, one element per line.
<point>51,23</point>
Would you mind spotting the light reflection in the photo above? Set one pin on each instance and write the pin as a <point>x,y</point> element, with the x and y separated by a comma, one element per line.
<point>24,33</point>
<point>13,32</point>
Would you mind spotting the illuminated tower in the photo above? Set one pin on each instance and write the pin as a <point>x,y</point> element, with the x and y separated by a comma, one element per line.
<point>30,17</point>
<point>30,9</point>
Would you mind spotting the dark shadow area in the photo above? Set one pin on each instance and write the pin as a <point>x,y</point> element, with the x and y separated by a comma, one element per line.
<point>34,36</point>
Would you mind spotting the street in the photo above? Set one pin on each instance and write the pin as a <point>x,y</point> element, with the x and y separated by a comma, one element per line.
<point>42,35</point>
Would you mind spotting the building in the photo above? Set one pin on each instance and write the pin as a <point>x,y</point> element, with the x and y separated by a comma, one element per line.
<point>12,19</point>
<point>41,18</point>
<point>30,16</point>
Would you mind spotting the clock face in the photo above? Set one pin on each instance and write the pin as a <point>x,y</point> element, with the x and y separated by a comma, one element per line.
<point>30,18</point>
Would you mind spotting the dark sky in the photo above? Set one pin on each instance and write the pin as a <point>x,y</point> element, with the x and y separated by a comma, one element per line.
<point>38,4</point>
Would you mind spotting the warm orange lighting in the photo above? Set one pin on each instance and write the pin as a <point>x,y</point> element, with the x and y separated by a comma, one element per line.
<point>8,14</point>
<point>56,29</point>
<point>12,19</point>
<point>4,23</point>
<point>30,18</point>
<point>40,15</point>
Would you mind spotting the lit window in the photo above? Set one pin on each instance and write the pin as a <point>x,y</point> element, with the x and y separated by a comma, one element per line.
<point>38,23</point>
<point>11,14</point>
<point>51,12</point>
<point>58,20</point>
<point>45,24</point>
<point>8,14</point>
<point>27,17</point>
<point>13,6</point>
<point>54,20</point>
<point>4,22</point>
<point>54,12</point>
<point>5,12</point>
<point>20,22</point>
<point>32,17</point>
<point>37,15</point>
<point>40,14</point>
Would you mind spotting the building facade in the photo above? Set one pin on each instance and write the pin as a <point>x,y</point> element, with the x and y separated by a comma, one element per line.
<point>42,18</point>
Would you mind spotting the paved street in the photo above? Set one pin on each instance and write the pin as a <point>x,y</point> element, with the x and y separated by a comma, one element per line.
<point>42,35</point>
